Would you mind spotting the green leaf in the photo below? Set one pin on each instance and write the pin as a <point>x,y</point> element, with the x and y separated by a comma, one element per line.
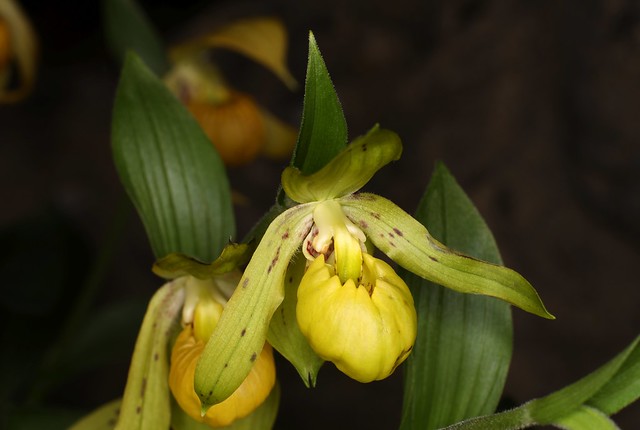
<point>169,168</point>
<point>145,403</point>
<point>323,132</point>
<point>284,333</point>
<point>459,363</point>
<point>103,418</point>
<point>127,28</point>
<point>554,406</point>
<point>622,389</point>
<point>564,403</point>
<point>408,243</point>
<point>173,266</point>
<point>242,329</point>
<point>586,418</point>
<point>349,171</point>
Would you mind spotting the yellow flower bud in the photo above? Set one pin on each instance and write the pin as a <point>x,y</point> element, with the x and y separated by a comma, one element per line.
<point>251,394</point>
<point>366,329</point>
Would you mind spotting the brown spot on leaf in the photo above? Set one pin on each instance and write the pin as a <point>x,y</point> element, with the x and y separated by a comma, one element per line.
<point>375,215</point>
<point>156,357</point>
<point>253,357</point>
<point>245,282</point>
<point>433,259</point>
<point>398,232</point>
<point>364,224</point>
<point>243,332</point>
<point>285,235</point>
<point>138,410</point>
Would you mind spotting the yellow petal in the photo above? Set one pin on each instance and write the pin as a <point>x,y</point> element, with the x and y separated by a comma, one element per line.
<point>22,48</point>
<point>253,391</point>
<point>262,39</point>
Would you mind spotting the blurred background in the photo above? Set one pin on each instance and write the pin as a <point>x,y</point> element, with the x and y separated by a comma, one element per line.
<point>533,105</point>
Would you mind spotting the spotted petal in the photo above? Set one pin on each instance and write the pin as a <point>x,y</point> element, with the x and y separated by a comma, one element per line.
<point>242,328</point>
<point>409,244</point>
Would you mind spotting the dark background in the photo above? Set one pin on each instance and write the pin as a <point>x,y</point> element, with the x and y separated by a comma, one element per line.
<point>533,105</point>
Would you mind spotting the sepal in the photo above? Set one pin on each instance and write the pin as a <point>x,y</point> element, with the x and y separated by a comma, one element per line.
<point>349,171</point>
<point>174,265</point>
<point>145,403</point>
<point>284,333</point>
<point>242,329</point>
<point>408,243</point>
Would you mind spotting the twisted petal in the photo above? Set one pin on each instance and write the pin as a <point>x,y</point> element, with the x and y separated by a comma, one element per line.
<point>145,404</point>
<point>366,332</point>
<point>409,244</point>
<point>242,329</point>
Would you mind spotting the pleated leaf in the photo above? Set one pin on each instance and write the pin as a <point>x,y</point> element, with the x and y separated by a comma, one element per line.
<point>461,356</point>
<point>169,168</point>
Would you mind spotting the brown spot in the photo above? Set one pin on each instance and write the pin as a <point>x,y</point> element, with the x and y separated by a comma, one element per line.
<point>391,235</point>
<point>433,259</point>
<point>375,215</point>
<point>290,279</point>
<point>143,388</point>
<point>274,261</point>
<point>392,244</point>
<point>243,332</point>
<point>398,232</point>
<point>364,224</point>
<point>138,410</point>
<point>226,365</point>
<point>364,147</point>
<point>155,357</point>
<point>245,282</point>
<point>253,357</point>
<point>285,235</point>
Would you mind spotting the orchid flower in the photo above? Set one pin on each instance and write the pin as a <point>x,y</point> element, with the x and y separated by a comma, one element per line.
<point>351,307</point>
